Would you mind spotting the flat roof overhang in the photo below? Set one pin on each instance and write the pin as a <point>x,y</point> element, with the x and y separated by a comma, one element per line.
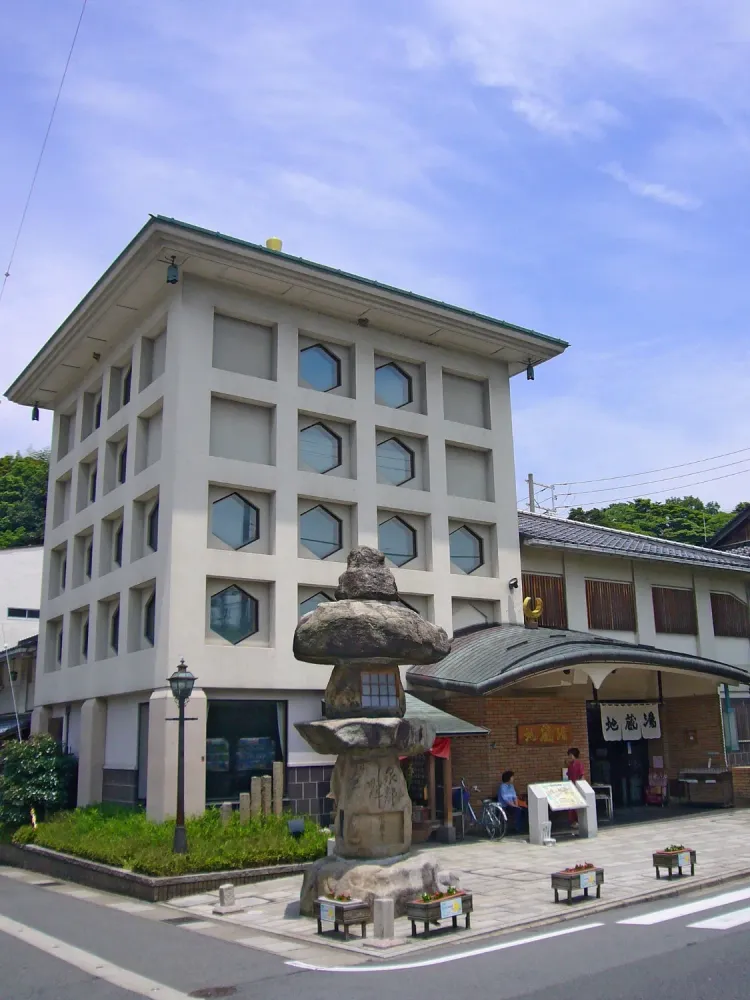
<point>135,284</point>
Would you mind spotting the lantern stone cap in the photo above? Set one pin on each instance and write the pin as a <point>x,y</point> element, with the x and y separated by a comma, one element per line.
<point>367,624</point>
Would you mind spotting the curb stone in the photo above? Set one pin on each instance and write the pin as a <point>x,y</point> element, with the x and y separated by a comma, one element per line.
<point>567,914</point>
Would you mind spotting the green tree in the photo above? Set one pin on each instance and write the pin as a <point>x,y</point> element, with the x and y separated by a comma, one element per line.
<point>23,498</point>
<point>679,519</point>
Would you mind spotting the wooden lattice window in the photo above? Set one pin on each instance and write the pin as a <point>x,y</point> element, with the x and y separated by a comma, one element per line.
<point>674,611</point>
<point>730,616</point>
<point>551,589</point>
<point>611,606</point>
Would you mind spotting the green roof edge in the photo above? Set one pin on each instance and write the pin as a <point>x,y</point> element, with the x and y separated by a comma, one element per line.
<point>323,268</point>
<point>369,282</point>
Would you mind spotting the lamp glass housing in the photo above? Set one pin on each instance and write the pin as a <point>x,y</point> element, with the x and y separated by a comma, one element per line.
<point>181,682</point>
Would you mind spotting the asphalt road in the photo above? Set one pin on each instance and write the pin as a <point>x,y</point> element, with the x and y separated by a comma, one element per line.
<point>57,947</point>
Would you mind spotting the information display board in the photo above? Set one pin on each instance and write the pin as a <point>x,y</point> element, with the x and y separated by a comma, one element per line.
<point>561,795</point>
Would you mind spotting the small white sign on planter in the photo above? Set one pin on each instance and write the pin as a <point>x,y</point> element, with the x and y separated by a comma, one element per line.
<point>451,907</point>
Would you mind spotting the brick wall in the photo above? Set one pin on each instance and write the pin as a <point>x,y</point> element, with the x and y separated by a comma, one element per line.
<point>306,791</point>
<point>701,715</point>
<point>741,784</point>
<point>481,760</point>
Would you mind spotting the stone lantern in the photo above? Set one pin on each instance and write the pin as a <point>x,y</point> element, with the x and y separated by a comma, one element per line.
<point>366,633</point>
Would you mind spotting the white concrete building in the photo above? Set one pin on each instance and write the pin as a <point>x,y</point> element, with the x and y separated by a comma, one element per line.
<point>20,601</point>
<point>229,421</point>
<point>20,593</point>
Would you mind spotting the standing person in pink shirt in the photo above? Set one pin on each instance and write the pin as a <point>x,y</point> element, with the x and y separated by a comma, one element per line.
<point>575,773</point>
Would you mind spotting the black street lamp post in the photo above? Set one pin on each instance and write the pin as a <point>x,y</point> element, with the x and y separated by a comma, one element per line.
<point>181,682</point>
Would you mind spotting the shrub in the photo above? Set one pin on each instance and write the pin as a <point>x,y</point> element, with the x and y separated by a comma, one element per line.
<point>36,775</point>
<point>127,839</point>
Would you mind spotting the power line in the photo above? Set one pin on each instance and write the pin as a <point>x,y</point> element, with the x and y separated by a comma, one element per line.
<point>639,496</point>
<point>649,472</point>
<point>650,482</point>
<point>6,275</point>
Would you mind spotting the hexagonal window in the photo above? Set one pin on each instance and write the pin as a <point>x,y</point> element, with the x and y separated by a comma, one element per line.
<point>234,614</point>
<point>466,548</point>
<point>319,448</point>
<point>392,386</point>
<point>395,462</point>
<point>397,540</point>
<point>320,368</point>
<point>320,531</point>
<point>235,521</point>
<point>305,607</point>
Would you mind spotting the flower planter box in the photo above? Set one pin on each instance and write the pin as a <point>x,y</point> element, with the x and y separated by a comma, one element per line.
<point>589,878</point>
<point>459,904</point>
<point>344,914</point>
<point>674,859</point>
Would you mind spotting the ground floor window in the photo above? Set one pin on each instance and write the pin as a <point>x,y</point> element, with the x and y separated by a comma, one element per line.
<point>243,739</point>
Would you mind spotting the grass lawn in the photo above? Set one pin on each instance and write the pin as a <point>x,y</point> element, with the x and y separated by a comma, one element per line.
<point>127,839</point>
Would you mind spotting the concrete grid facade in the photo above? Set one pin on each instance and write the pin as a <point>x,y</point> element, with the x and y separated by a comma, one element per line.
<point>199,425</point>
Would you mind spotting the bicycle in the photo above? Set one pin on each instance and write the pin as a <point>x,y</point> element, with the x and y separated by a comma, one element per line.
<point>493,819</point>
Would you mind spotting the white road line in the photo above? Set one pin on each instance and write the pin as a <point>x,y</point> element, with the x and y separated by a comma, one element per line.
<point>91,964</point>
<point>658,916</point>
<point>725,921</point>
<point>442,959</point>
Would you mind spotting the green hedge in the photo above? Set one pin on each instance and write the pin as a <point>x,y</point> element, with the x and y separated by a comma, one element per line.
<point>127,839</point>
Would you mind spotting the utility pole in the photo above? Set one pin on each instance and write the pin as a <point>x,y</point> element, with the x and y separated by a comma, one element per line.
<point>532,499</point>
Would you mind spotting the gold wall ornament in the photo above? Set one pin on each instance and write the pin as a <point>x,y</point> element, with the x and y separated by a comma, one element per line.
<point>535,612</point>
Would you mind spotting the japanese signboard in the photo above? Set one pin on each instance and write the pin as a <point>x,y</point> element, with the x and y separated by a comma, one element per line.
<point>630,722</point>
<point>451,907</point>
<point>560,795</point>
<point>328,912</point>
<point>546,734</point>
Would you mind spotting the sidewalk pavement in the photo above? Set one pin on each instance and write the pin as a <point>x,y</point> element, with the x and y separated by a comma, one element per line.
<point>510,882</point>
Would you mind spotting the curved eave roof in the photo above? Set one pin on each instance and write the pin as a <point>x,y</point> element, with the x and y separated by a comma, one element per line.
<point>504,654</point>
<point>443,723</point>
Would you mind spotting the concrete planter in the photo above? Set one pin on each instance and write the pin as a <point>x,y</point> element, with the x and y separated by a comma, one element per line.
<point>459,904</point>
<point>569,882</point>
<point>110,879</point>
<point>672,860</point>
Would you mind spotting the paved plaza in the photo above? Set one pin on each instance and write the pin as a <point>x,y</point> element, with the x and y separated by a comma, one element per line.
<point>510,881</point>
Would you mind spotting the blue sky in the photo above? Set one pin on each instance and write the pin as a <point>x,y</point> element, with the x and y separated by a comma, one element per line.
<point>579,168</point>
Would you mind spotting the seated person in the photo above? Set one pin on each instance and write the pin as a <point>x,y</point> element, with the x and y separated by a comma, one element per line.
<point>509,800</point>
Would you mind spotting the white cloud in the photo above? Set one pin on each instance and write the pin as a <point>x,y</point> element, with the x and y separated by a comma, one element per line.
<point>564,55</point>
<point>590,119</point>
<point>647,189</point>
<point>575,433</point>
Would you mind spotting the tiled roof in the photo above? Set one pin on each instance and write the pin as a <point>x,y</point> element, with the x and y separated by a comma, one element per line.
<point>554,532</point>
<point>494,657</point>
<point>443,723</point>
